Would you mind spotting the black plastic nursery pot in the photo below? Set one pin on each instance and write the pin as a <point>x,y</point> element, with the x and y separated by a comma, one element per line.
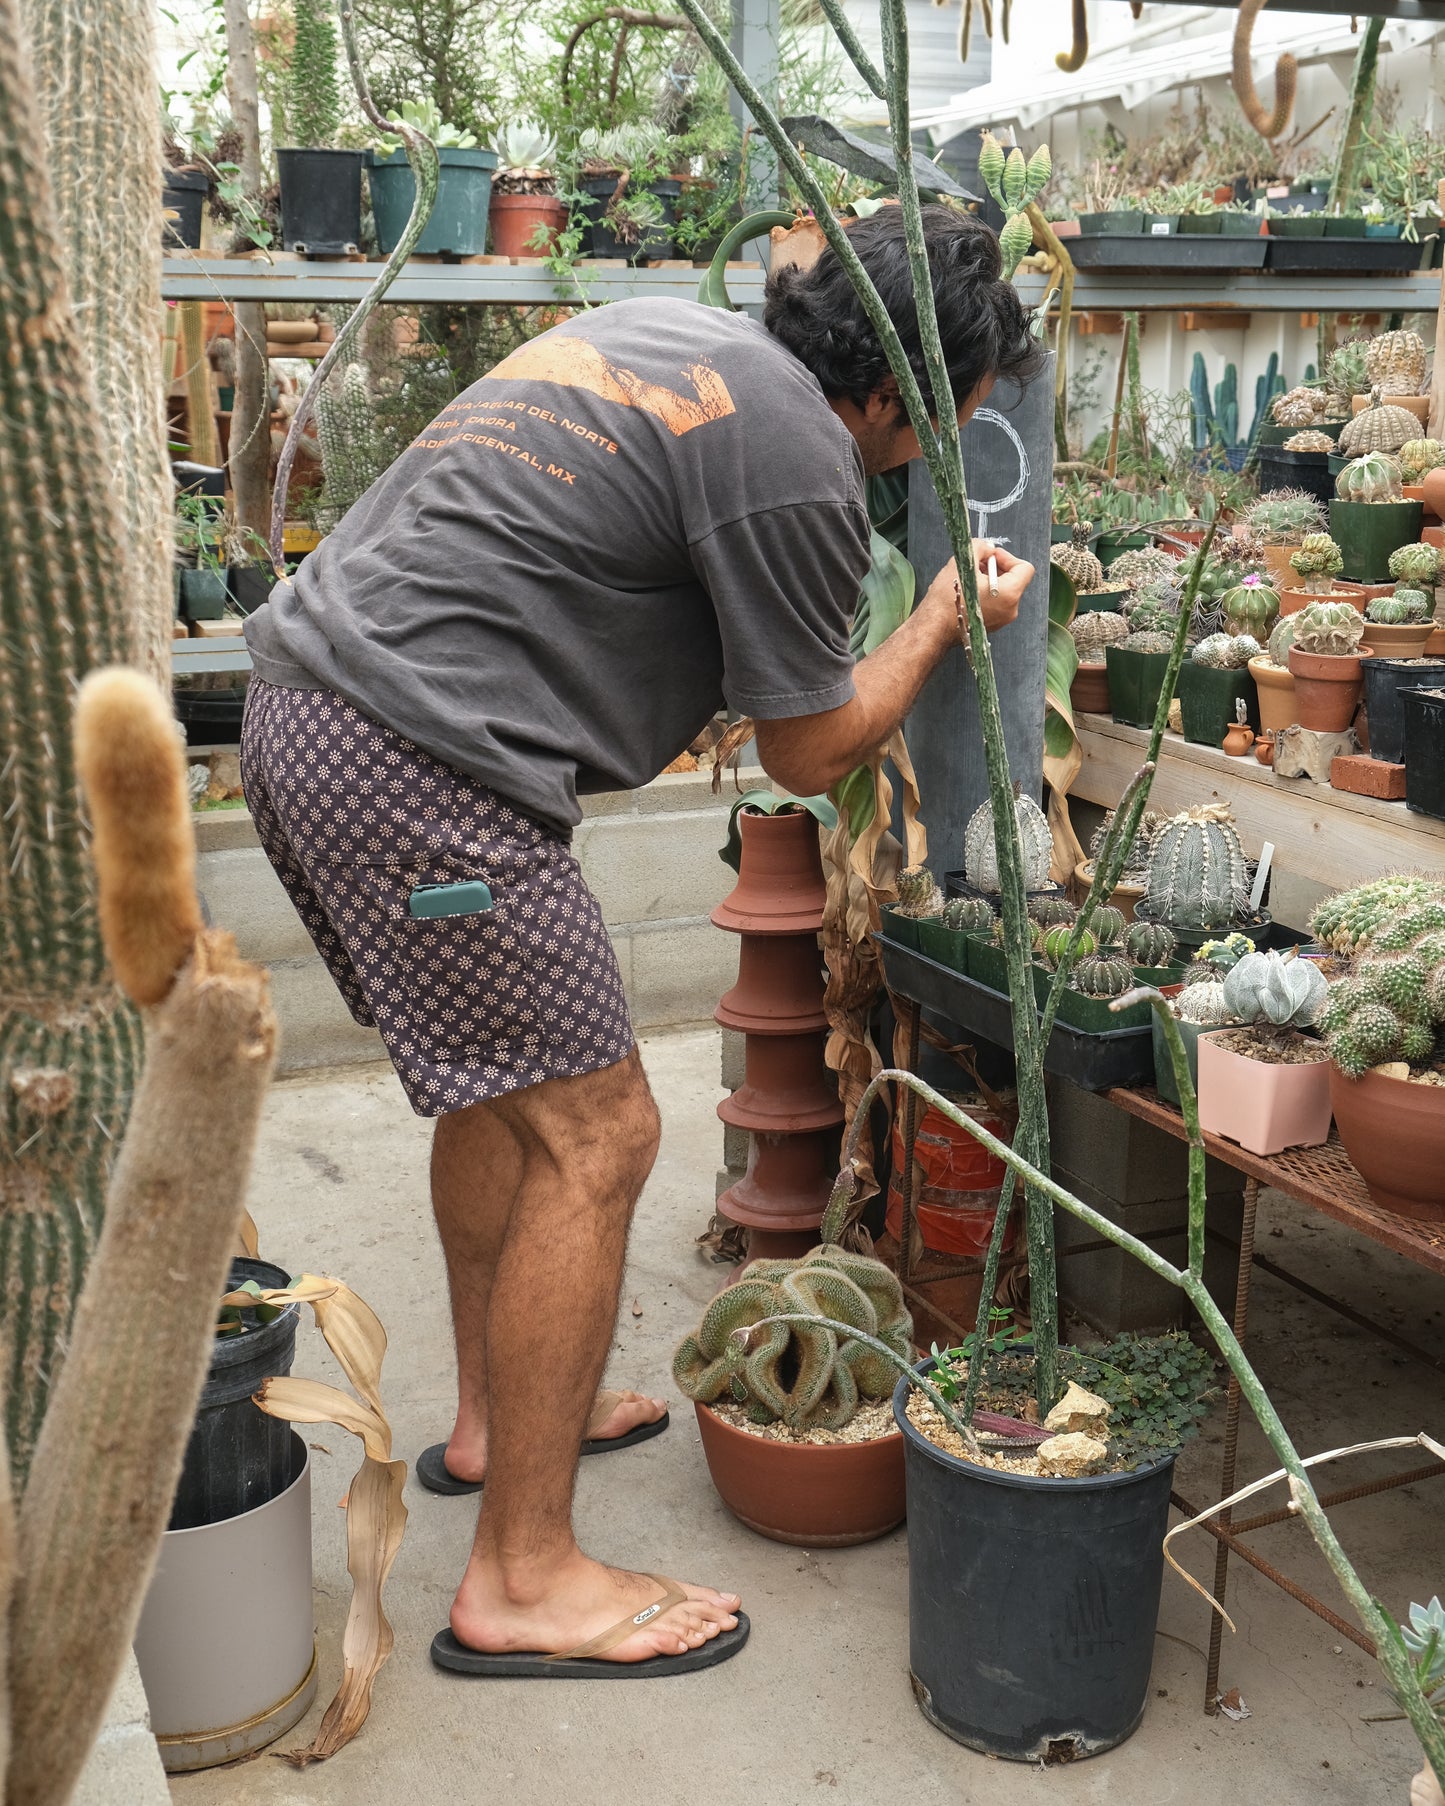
<point>1135,680</point>
<point>1281,469</point>
<point>1385,681</point>
<point>1114,223</point>
<point>211,717</point>
<point>1425,751</point>
<point>1170,252</point>
<point>458,223</point>
<point>239,1458</point>
<point>1032,1603</point>
<point>1260,931</point>
<point>250,585</point>
<point>1325,254</point>
<point>185,196</point>
<point>203,595</point>
<point>1367,533</point>
<point>655,242</point>
<point>1207,699</point>
<point>320,201</point>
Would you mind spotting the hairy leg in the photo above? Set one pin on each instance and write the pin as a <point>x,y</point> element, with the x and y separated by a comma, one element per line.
<point>587,1146</point>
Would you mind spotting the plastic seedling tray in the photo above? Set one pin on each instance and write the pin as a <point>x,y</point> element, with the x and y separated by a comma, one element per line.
<point>1187,252</point>
<point>1324,254</point>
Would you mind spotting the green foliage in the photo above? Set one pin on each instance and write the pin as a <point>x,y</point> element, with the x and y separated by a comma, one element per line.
<point>426,117</point>
<point>313,93</point>
<point>236,1319</point>
<point>1422,1639</point>
<point>1157,1388</point>
<point>1015,184</point>
<point>199,531</point>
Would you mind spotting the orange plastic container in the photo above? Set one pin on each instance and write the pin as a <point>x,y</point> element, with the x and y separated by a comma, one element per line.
<point>960,1180</point>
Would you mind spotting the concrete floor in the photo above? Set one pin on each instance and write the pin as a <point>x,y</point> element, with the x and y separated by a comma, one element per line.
<point>818,1707</point>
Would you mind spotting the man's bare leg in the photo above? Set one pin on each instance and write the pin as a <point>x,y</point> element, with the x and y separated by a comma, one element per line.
<point>587,1147</point>
<point>476,1171</point>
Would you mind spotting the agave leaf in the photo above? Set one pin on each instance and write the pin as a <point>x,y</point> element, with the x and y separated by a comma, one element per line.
<point>768,802</point>
<point>712,291</point>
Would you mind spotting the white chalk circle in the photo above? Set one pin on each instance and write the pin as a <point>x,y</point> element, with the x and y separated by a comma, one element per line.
<point>983,509</point>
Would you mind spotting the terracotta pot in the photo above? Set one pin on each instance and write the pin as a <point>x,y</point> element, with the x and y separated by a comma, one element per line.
<point>1415,492</point>
<point>1282,574</point>
<point>1125,896</point>
<point>1432,494</point>
<point>1400,641</point>
<point>515,219</point>
<point>1326,689</point>
<point>1435,645</point>
<point>787,1185</point>
<point>1418,405</point>
<point>780,887</point>
<point>1089,692</point>
<point>1276,696</point>
<point>1394,1132</point>
<point>787,1087</point>
<point>1264,1108</point>
<point>822,1496</point>
<point>1264,748</point>
<point>1433,536</point>
<point>1238,738</point>
<point>779,989</point>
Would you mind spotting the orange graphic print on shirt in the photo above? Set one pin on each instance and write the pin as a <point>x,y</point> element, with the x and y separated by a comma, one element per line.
<point>573,363</point>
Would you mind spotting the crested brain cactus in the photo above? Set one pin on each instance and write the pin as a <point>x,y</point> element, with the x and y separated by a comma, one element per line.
<point>1391,1006</point>
<point>1196,871</point>
<point>1395,362</point>
<point>980,858</point>
<point>1106,974</point>
<point>1275,992</point>
<point>1319,561</point>
<point>1329,629</point>
<point>1419,564</point>
<point>1221,955</point>
<point>1149,641</point>
<point>1406,608</point>
<point>1077,562</point>
<point>1284,516</point>
<point>968,915</point>
<point>1250,607</point>
<point>790,1372</point>
<point>918,893</point>
<point>1372,477</point>
<point>1418,457</point>
<point>1094,631</point>
<point>1149,944</point>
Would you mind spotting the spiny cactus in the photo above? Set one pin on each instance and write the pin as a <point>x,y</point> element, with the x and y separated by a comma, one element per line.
<point>1223,954</point>
<point>1319,561</point>
<point>1280,640</point>
<point>353,451</point>
<point>1151,613</point>
<point>1372,477</point>
<point>1346,371</point>
<point>1392,1004</point>
<point>1418,457</point>
<point>1381,427</point>
<point>1406,608</point>
<point>1145,564</point>
<point>1284,516</point>
<point>1149,944</point>
<point>1202,1003</point>
<point>980,859</point>
<point>1108,924</point>
<point>1353,920</point>
<point>1395,362</point>
<point>918,893</point>
<point>1077,562</point>
<point>1418,563</point>
<point>1329,629</point>
<point>1049,911</point>
<point>1226,652</point>
<point>1136,858</point>
<point>1106,974</point>
<point>1297,407</point>
<point>1309,441</point>
<point>1275,992</point>
<point>968,915</point>
<point>1196,871</point>
<point>790,1372</point>
<point>1250,607</point>
<point>1015,184</point>
<point>1053,941</point>
<point>1094,631</point>
<point>1149,642</point>
<point>312,93</point>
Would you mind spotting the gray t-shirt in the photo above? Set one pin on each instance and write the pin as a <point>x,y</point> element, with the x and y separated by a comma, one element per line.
<point>645,512</point>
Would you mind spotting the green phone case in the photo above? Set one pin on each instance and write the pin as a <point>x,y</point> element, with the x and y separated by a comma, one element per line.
<point>469,898</point>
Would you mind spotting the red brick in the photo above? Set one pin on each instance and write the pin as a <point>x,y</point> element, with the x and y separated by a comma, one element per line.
<point>1365,776</point>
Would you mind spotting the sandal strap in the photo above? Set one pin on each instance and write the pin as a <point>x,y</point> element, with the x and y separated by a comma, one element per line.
<point>672,1594</point>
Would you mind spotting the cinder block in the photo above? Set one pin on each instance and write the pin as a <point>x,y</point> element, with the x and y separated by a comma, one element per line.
<point>221,830</point>
<point>245,896</point>
<point>316,1028</point>
<point>608,802</point>
<point>675,791</point>
<point>124,1766</point>
<point>1127,1160</point>
<point>645,870</point>
<point>734,1058</point>
<point>736,1145</point>
<point>1363,776</point>
<point>679,970</point>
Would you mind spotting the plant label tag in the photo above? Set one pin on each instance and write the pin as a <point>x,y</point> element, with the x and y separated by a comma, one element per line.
<point>1159,229</point>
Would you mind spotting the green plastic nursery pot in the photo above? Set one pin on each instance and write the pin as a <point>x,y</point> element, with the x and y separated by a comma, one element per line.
<point>1192,939</point>
<point>900,928</point>
<point>1111,224</point>
<point>1298,225</point>
<point>1115,540</point>
<point>1368,532</point>
<point>1200,225</point>
<point>1135,680</point>
<point>1161,225</point>
<point>1093,1015</point>
<point>949,946</point>
<point>1099,601</point>
<point>458,223</point>
<point>1207,699</point>
<point>1164,1084</point>
<point>1345,225</point>
<point>1239,225</point>
<point>986,963</point>
<point>203,595</point>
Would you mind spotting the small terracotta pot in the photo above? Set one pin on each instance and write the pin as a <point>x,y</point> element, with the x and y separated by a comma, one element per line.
<point>1125,895</point>
<point>1276,695</point>
<point>1432,494</point>
<point>1418,405</point>
<point>1434,536</point>
<point>1400,641</point>
<point>1238,738</point>
<point>787,1089</point>
<point>1089,692</point>
<point>787,1185</point>
<point>780,888</point>
<point>1334,589</point>
<point>515,218</point>
<point>1282,573</point>
<point>1394,1132</point>
<point>1326,689</point>
<point>1264,1108</point>
<point>820,1496</point>
<point>779,989</point>
<point>1264,747</point>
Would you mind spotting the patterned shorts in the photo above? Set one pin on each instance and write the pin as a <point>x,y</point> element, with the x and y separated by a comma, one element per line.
<point>353,817</point>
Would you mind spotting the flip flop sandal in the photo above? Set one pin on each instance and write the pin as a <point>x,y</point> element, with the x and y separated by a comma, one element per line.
<point>585,1662</point>
<point>436,1476</point>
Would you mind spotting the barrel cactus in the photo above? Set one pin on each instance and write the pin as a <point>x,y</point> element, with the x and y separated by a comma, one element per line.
<point>1108,924</point>
<point>1309,440</point>
<point>1053,941</point>
<point>1395,363</point>
<point>1381,427</point>
<point>1145,564</point>
<point>806,1378</point>
<point>1106,974</point>
<point>1318,560</point>
<point>968,915</point>
<point>1284,516</point>
<point>1094,631</point>
<point>1329,629</point>
<point>1048,911</point>
<point>980,857</point>
<point>1151,612</point>
<point>1203,1004</point>
<point>1417,563</point>
<point>1136,858</point>
<point>1077,562</point>
<point>1406,608</point>
<point>1196,871</point>
<point>918,893</point>
<point>1149,642</point>
<point>1250,607</point>
<point>1149,944</point>
<point>1225,953</point>
<point>1372,477</point>
<point>1297,407</point>
<point>1418,457</point>
<point>1280,641</point>
<point>1275,992</point>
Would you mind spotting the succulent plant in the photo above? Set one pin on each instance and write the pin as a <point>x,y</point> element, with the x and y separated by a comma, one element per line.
<point>918,894</point>
<point>1250,607</point>
<point>968,915</point>
<point>1418,457</point>
<point>1329,629</point>
<point>1137,857</point>
<point>1225,651</point>
<point>1406,608</point>
<point>1395,362</point>
<point>1417,563</point>
<point>1077,562</point>
<point>1309,441</point>
<point>1381,427</point>
<point>790,1372</point>
<point>1318,560</point>
<point>1354,920</point>
<point>1221,955</point>
<point>1106,974</point>
<point>1149,641</point>
<point>1203,1003</point>
<point>1053,941</point>
<point>1346,371</point>
<point>1149,943</point>
<point>1275,991</point>
<point>1196,871</point>
<point>1048,911</point>
<point>524,147</point>
<point>1297,407</point>
<point>1392,1004</point>
<point>1108,925</point>
<point>1132,570</point>
<point>1284,516</point>
<point>980,857</point>
<point>1372,477</point>
<point>1094,631</point>
<point>1280,641</point>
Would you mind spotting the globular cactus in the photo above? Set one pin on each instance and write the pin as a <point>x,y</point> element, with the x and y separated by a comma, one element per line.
<point>1048,911</point>
<point>1347,372</point>
<point>1223,954</point>
<point>1136,858</point>
<point>1146,564</point>
<point>1395,363</point>
<point>1297,407</point>
<point>1053,941</point>
<point>1106,974</point>
<point>1284,516</point>
<point>1094,631</point>
<point>1149,642</point>
<point>1418,457</point>
<point>1372,477</point>
<point>918,893</point>
<point>1329,629</point>
<point>980,857</point>
<point>1392,1004</point>
<point>1275,991</point>
<point>1149,944</point>
<point>1309,441</point>
<point>1203,1003</point>
<point>1077,562</point>
<point>1196,871</point>
<point>1226,652</point>
<point>1381,427</point>
<point>1280,640</point>
<point>1406,608</point>
<point>1108,925</point>
<point>1417,563</point>
<point>968,915</point>
<point>1250,607</point>
<point>790,1372</point>
<point>1366,916</point>
<point>1150,613</point>
<point>1319,561</point>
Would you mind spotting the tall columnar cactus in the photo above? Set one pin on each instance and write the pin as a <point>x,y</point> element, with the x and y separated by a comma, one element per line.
<point>69,1044</point>
<point>352,453</point>
<point>1197,873</point>
<point>804,1377</point>
<point>1201,409</point>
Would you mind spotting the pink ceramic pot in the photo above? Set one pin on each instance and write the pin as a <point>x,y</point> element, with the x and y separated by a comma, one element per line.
<point>1264,1108</point>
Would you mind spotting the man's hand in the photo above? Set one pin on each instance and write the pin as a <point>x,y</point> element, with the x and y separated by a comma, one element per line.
<point>1014,577</point>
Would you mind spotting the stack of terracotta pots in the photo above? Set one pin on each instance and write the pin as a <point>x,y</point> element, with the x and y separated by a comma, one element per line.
<point>788,1101</point>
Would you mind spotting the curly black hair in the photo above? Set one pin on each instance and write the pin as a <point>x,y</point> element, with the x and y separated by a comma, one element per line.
<point>984,325</point>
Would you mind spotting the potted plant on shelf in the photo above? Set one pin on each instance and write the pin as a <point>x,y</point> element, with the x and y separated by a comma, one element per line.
<point>1192,205</point>
<point>919,899</point>
<point>1197,883</point>
<point>1316,562</point>
<point>631,191</point>
<point>200,539</point>
<point>1265,1084</point>
<point>1281,521</point>
<point>1369,517</point>
<point>1378,426</point>
<point>1424,748</point>
<point>457,226</point>
<point>1216,690</point>
<point>1250,607</point>
<point>1137,665</point>
<point>1085,571</point>
<point>526,214</point>
<point>1092,634</point>
<point>1383,1030</point>
<point>1131,882</point>
<point>1325,660</point>
<point>795,1421</point>
<point>1397,626</point>
<point>1273,679</point>
<point>320,185</point>
<point>1418,459</point>
<point>1395,365</point>
<point>1197,1005</point>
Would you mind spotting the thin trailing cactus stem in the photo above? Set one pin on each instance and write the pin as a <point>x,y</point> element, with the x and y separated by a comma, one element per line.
<point>421,154</point>
<point>1428,1728</point>
<point>853,46</point>
<point>1189,1109</point>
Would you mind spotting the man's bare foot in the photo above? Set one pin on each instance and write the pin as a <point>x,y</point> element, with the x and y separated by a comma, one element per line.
<point>565,1605</point>
<point>466,1456</point>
